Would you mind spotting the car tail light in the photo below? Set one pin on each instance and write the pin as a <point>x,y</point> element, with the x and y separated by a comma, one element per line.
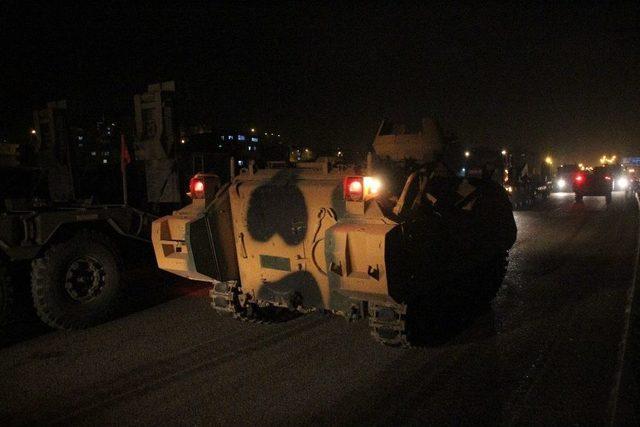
<point>608,178</point>
<point>196,188</point>
<point>579,178</point>
<point>359,188</point>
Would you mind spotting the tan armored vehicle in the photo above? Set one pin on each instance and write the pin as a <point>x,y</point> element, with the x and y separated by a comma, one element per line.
<point>315,236</point>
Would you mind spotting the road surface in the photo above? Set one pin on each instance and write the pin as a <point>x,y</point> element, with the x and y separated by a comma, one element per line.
<point>549,351</point>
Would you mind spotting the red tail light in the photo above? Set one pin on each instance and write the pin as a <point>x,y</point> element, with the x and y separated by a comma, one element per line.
<point>196,188</point>
<point>579,178</point>
<point>354,188</point>
<point>608,178</point>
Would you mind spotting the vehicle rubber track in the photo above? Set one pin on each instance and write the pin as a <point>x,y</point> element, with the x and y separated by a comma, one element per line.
<point>388,324</point>
<point>228,300</point>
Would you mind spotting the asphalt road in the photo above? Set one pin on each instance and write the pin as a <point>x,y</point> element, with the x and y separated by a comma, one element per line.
<point>548,352</point>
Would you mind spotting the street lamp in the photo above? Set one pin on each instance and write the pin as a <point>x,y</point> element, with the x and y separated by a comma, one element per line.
<point>33,131</point>
<point>607,160</point>
<point>467,154</point>
<point>504,152</point>
<point>548,160</point>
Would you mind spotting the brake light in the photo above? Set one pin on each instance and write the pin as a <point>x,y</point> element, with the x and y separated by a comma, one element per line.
<point>359,188</point>
<point>579,178</point>
<point>354,188</point>
<point>196,188</point>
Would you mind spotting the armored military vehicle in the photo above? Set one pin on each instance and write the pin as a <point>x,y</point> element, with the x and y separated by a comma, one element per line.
<point>322,236</point>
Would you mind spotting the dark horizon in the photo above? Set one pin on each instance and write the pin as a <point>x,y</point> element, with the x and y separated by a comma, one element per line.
<point>557,80</point>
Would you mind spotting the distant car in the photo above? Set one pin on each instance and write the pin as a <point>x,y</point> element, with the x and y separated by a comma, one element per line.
<point>598,182</point>
<point>560,184</point>
<point>564,177</point>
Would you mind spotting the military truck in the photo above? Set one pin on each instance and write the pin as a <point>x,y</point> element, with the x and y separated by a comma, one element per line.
<point>530,178</point>
<point>74,256</point>
<point>72,247</point>
<point>331,237</point>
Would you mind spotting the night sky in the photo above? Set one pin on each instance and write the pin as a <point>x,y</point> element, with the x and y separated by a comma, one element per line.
<point>559,79</point>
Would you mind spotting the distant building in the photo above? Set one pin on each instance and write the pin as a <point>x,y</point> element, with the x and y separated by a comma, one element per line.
<point>210,150</point>
<point>8,154</point>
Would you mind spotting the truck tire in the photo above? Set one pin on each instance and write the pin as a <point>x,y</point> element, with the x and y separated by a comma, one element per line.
<point>578,197</point>
<point>607,198</point>
<point>77,283</point>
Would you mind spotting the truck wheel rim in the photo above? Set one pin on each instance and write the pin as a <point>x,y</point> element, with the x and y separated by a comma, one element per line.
<point>85,279</point>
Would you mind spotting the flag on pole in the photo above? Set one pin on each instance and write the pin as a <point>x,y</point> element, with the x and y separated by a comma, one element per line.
<point>125,158</point>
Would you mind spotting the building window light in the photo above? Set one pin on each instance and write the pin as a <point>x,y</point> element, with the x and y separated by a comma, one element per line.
<point>254,139</point>
<point>240,137</point>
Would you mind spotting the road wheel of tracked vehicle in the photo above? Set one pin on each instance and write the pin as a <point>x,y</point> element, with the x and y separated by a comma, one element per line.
<point>77,283</point>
